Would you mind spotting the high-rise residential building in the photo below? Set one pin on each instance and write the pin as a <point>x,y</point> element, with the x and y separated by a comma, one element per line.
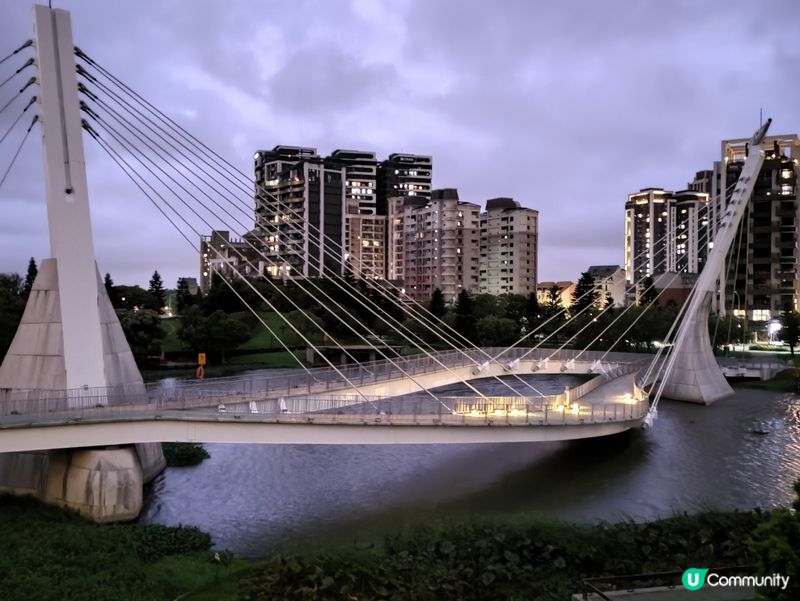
<point>646,216</point>
<point>441,246</point>
<point>687,243</point>
<point>508,248</point>
<point>764,261</point>
<point>222,254</point>
<point>365,237</point>
<point>361,168</point>
<point>399,207</point>
<point>300,204</point>
<point>365,231</point>
<point>666,231</point>
<point>407,175</point>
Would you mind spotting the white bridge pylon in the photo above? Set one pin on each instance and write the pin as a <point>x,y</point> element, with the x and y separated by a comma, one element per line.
<point>692,372</point>
<point>69,337</point>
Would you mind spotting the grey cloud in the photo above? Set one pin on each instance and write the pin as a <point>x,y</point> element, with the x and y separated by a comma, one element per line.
<point>566,106</point>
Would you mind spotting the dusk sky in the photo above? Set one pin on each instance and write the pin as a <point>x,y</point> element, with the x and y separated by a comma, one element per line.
<point>566,106</point>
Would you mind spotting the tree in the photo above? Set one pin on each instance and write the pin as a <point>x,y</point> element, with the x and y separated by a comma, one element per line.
<point>647,292</point>
<point>33,271</point>
<point>774,545</point>
<point>532,312</point>
<point>225,333</point>
<point>192,330</point>
<point>790,328</point>
<point>585,294</point>
<point>183,297</point>
<point>496,331</point>
<point>12,305</point>
<point>552,303</point>
<point>108,283</point>
<point>436,306</point>
<point>157,290</point>
<point>216,334</point>
<point>465,320</point>
<point>133,297</point>
<point>142,330</point>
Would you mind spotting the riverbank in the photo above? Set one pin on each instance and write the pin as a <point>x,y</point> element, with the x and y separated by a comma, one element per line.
<point>48,554</point>
<point>52,554</point>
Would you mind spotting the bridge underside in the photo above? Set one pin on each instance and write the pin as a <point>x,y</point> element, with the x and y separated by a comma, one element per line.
<point>284,430</point>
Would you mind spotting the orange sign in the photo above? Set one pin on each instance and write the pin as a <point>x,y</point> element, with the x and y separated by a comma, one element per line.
<point>201,358</point>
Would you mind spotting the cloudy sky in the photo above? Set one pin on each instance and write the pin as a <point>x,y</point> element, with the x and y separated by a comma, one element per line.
<point>567,106</point>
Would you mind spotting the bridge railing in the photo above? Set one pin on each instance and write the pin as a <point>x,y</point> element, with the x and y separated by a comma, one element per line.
<point>550,410</point>
<point>188,394</point>
<point>320,380</point>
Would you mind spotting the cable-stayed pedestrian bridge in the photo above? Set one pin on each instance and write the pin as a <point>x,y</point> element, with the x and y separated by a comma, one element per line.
<point>69,380</point>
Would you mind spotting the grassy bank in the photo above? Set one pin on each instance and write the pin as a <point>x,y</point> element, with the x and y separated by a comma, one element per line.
<point>503,559</point>
<point>48,554</point>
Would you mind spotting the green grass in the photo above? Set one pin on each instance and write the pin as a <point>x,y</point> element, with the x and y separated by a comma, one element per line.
<point>48,554</point>
<point>51,554</point>
<point>262,339</point>
<point>170,343</point>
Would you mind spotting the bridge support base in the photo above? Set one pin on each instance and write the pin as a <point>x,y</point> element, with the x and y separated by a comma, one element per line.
<point>695,376</point>
<point>103,485</point>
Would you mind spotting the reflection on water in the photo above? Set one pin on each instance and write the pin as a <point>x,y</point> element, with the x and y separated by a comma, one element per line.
<point>740,452</point>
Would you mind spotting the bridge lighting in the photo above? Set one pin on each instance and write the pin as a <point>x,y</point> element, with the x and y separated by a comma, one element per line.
<point>575,408</point>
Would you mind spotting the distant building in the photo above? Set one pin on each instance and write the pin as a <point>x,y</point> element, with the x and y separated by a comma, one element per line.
<point>399,211</point>
<point>508,248</point>
<point>609,284</point>
<point>365,237</point>
<point>219,253</point>
<point>440,246</point>
<point>564,288</point>
<point>666,231</point>
<point>408,175</point>
<point>361,185</point>
<point>300,211</point>
<point>672,287</point>
<point>687,244</point>
<point>646,217</point>
<point>764,260</point>
<point>191,284</point>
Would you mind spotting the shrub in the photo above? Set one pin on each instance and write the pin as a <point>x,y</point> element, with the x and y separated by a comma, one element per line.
<point>182,454</point>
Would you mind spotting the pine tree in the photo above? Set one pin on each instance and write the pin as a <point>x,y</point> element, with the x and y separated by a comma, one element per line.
<point>585,294</point>
<point>33,271</point>
<point>157,290</point>
<point>532,311</point>
<point>183,297</point>
<point>109,286</point>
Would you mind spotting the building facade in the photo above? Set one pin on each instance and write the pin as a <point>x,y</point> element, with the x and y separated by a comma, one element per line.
<point>222,254</point>
<point>764,262</point>
<point>407,175</point>
<point>365,237</point>
<point>508,248</point>
<point>300,211</point>
<point>609,285</point>
<point>440,246</point>
<point>666,231</point>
